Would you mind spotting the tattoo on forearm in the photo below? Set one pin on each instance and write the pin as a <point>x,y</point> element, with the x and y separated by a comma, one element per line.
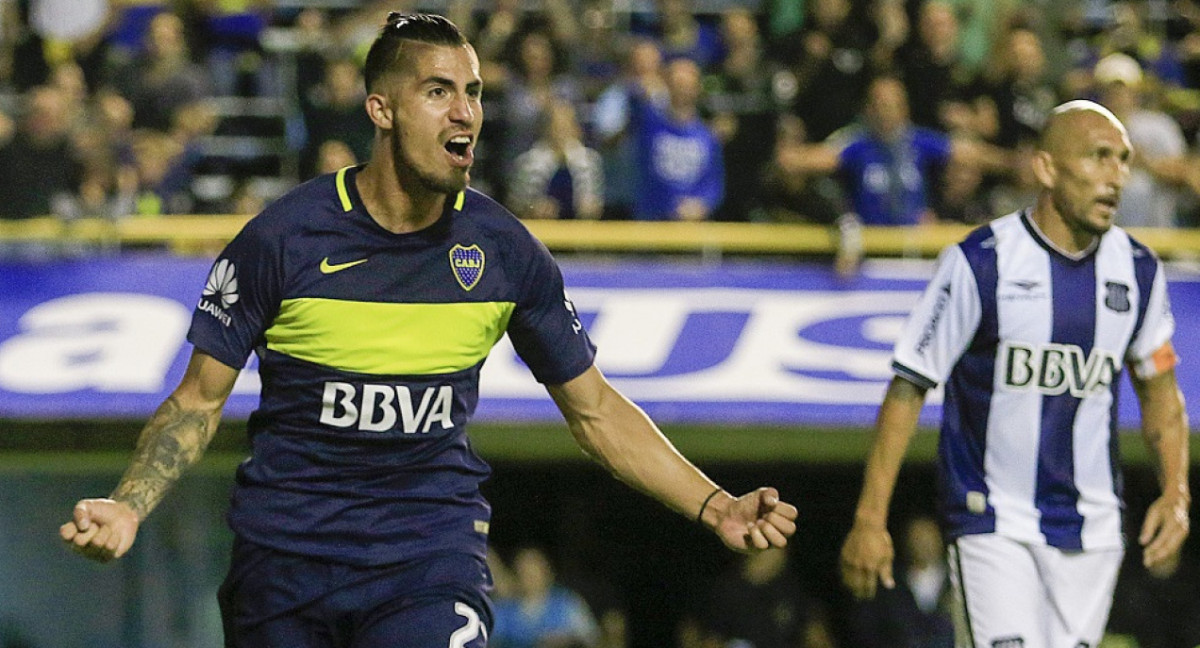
<point>171,442</point>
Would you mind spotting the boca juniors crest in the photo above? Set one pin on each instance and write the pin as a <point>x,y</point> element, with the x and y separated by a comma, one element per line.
<point>467,264</point>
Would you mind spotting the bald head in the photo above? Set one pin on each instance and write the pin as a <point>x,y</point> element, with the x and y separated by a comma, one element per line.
<point>1082,164</point>
<point>1069,123</point>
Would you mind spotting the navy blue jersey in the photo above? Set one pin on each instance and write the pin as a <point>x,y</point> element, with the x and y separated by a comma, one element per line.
<point>370,345</point>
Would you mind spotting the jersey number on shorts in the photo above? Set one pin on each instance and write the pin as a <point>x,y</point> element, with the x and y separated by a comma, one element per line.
<point>470,630</point>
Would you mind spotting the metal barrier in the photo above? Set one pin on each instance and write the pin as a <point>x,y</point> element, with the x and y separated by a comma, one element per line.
<point>197,234</point>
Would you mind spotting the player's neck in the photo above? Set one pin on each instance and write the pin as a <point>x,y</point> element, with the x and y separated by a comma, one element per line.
<point>1053,226</point>
<point>393,206</point>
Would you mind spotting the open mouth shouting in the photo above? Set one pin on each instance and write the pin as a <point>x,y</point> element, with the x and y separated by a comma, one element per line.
<point>461,150</point>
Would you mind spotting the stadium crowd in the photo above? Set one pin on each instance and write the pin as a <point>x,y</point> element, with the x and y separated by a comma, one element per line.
<point>881,112</point>
<point>885,112</point>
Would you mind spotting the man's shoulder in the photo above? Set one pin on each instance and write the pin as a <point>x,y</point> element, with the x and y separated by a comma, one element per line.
<point>1117,236</point>
<point>982,241</point>
<point>312,197</point>
<point>486,213</point>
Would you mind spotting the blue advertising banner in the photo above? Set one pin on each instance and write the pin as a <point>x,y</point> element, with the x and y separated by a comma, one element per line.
<point>738,343</point>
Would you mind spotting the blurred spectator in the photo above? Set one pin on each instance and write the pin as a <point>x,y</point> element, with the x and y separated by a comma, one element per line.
<point>981,21</point>
<point>315,46</point>
<point>67,78</point>
<point>166,162</point>
<point>741,96</point>
<point>932,67</point>
<point>246,199</point>
<point>334,155</point>
<point>69,30</point>
<point>104,145</point>
<point>539,77</point>
<point>230,32</point>
<point>762,602</point>
<point>679,161</point>
<point>890,169</point>
<point>497,28</point>
<point>129,28</point>
<point>533,611</point>
<point>1150,197</point>
<point>1018,87</point>
<point>1128,33</point>
<point>790,192</point>
<point>1019,190</point>
<point>915,613</point>
<point>598,54</point>
<point>611,121</point>
<point>163,78</point>
<point>39,167</point>
<point>559,177</point>
<point>783,17</point>
<point>680,34</point>
<point>960,197</point>
<point>833,58</point>
<point>333,110</point>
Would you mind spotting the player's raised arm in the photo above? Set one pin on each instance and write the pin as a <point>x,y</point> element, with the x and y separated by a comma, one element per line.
<point>172,441</point>
<point>867,553</point>
<point>1165,430</point>
<point>619,435</point>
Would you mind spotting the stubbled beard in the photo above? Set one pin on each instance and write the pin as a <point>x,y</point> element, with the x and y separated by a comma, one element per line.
<point>404,167</point>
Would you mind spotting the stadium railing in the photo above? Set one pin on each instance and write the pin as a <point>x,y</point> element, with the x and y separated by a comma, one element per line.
<point>197,234</point>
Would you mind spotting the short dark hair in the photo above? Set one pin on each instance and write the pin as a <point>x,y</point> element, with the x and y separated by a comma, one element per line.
<point>386,52</point>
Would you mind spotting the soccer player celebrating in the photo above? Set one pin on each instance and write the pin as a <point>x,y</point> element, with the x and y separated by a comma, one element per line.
<point>1028,323</point>
<point>372,297</point>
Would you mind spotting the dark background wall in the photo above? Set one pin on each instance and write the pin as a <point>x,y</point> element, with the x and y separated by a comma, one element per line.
<point>616,546</point>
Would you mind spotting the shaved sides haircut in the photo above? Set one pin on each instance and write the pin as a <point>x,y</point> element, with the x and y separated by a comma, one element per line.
<point>387,52</point>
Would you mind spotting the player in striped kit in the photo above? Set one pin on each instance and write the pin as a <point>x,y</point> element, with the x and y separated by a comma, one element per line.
<point>1028,323</point>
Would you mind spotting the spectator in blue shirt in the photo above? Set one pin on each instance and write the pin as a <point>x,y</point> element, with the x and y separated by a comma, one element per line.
<point>680,165</point>
<point>890,168</point>
<point>533,611</point>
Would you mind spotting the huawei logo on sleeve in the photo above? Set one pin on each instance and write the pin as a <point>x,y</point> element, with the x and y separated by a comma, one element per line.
<point>220,291</point>
<point>222,283</point>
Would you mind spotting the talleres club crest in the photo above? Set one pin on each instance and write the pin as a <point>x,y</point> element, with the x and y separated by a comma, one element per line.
<point>467,265</point>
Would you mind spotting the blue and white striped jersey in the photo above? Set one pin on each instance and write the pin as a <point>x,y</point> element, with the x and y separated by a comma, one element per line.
<point>1030,343</point>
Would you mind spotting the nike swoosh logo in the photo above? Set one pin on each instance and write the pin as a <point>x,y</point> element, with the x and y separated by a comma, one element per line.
<point>330,268</point>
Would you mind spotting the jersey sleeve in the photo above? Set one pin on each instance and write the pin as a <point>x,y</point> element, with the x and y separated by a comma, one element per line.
<point>240,297</point>
<point>544,328</point>
<point>941,325</point>
<point>1151,352</point>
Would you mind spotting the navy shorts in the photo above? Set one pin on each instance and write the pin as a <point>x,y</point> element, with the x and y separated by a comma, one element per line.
<point>272,599</point>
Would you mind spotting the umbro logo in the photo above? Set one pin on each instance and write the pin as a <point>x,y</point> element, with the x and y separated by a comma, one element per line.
<point>330,268</point>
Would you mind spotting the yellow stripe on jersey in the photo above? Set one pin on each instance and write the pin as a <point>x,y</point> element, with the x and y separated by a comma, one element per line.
<point>343,194</point>
<point>458,201</point>
<point>384,339</point>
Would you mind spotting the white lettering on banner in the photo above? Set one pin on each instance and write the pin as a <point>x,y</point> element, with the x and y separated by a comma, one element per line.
<point>637,331</point>
<point>109,342</point>
<point>382,405</point>
<point>118,342</point>
<point>770,361</point>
